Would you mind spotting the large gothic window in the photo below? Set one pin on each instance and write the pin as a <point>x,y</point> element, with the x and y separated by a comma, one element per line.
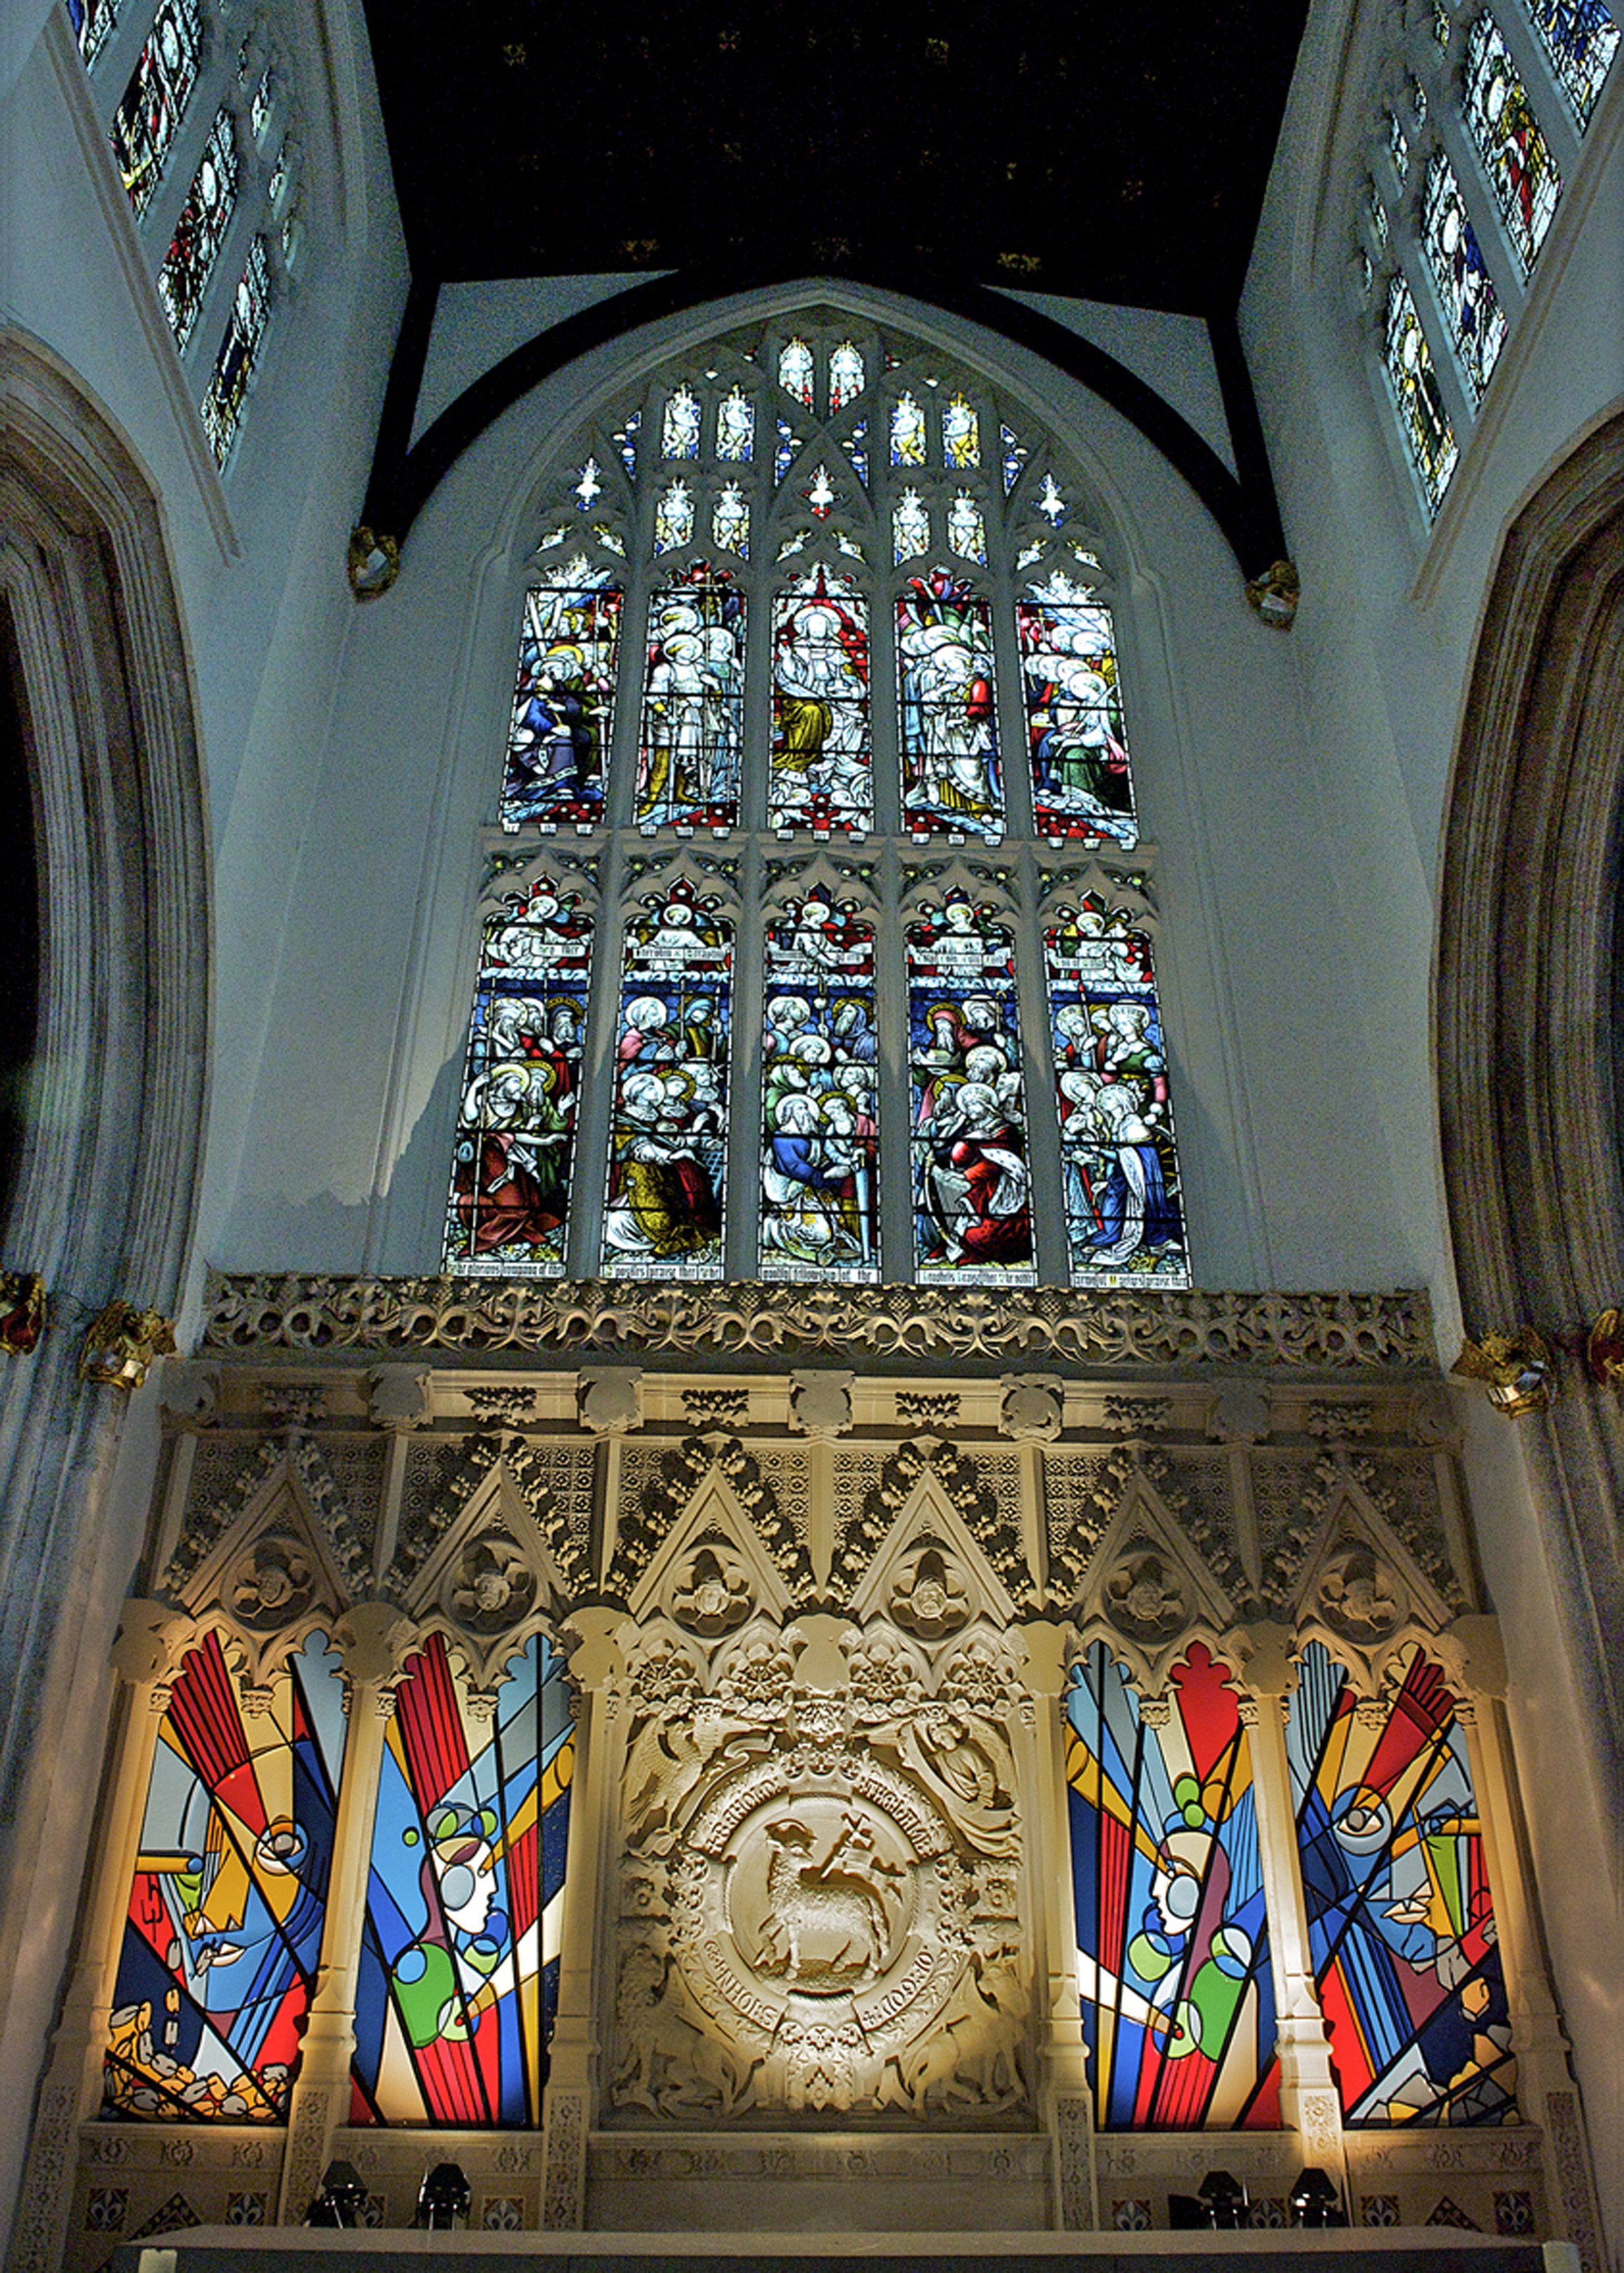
<point>820,955</point>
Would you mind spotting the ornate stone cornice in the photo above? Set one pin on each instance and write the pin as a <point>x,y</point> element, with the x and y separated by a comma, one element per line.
<point>1331,1332</point>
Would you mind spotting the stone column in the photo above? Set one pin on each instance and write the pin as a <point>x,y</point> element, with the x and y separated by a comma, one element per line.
<point>597,1663</point>
<point>1309,2101</point>
<point>150,1640</point>
<point>365,1637</point>
<point>1066,2102</point>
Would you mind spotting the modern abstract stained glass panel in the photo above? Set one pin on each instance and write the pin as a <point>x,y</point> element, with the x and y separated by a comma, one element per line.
<point>563,699</point>
<point>1582,38</point>
<point>458,1982</point>
<point>822,773</point>
<point>1401,1919</point>
<point>668,1152</point>
<point>971,1184</point>
<point>693,693</point>
<point>1124,1218</point>
<point>1477,320</point>
<point>153,105</point>
<point>952,778</point>
<point>508,1213</point>
<point>222,1934</point>
<point>202,224</point>
<point>1173,1937</point>
<point>1425,423</point>
<point>223,404</point>
<point>1082,785</point>
<point>819,1169</point>
<point>1515,155</point>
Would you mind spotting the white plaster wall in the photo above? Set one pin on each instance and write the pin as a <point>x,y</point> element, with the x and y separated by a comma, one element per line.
<point>1172,354</point>
<point>476,325</point>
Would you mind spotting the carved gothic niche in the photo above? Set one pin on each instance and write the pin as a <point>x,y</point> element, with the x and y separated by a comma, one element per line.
<point>707,1567</point>
<point>929,1572</point>
<point>1147,1585</point>
<point>491,1569</point>
<point>929,1594</point>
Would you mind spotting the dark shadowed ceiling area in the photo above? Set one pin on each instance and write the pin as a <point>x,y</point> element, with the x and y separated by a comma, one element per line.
<point>1111,154</point>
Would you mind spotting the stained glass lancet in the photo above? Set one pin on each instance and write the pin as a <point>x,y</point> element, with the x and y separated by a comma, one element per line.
<point>1423,419</point>
<point>693,694</point>
<point>1477,320</point>
<point>563,699</point>
<point>238,358</point>
<point>1082,783</point>
<point>819,1169</point>
<point>845,376</point>
<point>736,427</point>
<point>1123,1220</point>
<point>1515,155</point>
<point>668,1157</point>
<point>952,780</point>
<point>960,433</point>
<point>149,113</point>
<point>971,1185</point>
<point>200,229</point>
<point>679,431</point>
<point>822,758</point>
<point>92,21</point>
<point>223,1930</point>
<point>1582,38</point>
<point>1172,1935</point>
<point>794,371</point>
<point>458,1982</point>
<point>966,532</point>
<point>729,520</point>
<point>673,518</point>
<point>1401,1919</point>
<point>509,1207</point>
<point>911,528</point>
<point>907,432</point>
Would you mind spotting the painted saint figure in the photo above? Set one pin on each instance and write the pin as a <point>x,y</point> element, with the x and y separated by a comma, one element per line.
<point>951,775</point>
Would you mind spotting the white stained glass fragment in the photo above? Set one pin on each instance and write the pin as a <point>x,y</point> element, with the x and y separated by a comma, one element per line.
<point>673,518</point>
<point>609,538</point>
<point>1366,273</point>
<point>1052,504</point>
<point>730,524</point>
<point>855,446</point>
<point>679,434</point>
<point>795,543</point>
<point>1398,144</point>
<point>574,574</point>
<point>907,432</point>
<point>278,182</point>
<point>965,531</point>
<point>1442,26</point>
<point>589,488</point>
<point>1014,453</point>
<point>848,544</point>
<point>821,495</point>
<point>794,371</point>
<point>626,437</point>
<point>736,427</point>
<point>845,376</point>
<point>553,536</point>
<point>1028,554</point>
<point>1060,588</point>
<point>1418,102</point>
<point>911,528</point>
<point>1378,214</point>
<point>784,456</point>
<point>1089,559</point>
<point>960,434</point>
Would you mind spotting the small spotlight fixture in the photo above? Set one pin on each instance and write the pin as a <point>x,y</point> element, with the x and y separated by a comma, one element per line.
<point>342,2200</point>
<point>444,2197</point>
<point>1315,2200</point>
<point>1224,2199</point>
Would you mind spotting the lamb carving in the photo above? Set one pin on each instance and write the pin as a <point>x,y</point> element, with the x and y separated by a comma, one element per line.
<point>830,1923</point>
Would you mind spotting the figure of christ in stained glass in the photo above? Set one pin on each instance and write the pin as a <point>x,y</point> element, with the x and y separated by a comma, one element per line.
<point>458,1983</point>
<point>1581,39</point>
<point>1173,1954</point>
<point>668,1146</point>
<point>1124,1222</point>
<point>1401,1919</point>
<point>201,225</point>
<point>952,781</point>
<point>971,1184</point>
<point>820,1168</point>
<point>693,689</point>
<point>508,1215</point>
<point>1429,435</point>
<point>823,775</point>
<point>1082,783</point>
<point>1515,155</point>
<point>563,699</point>
<point>222,1933</point>
<point>149,113</point>
<point>1476,318</point>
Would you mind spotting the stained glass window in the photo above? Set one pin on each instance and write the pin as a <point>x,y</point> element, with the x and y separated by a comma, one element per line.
<point>1052,504</point>
<point>673,518</point>
<point>679,431</point>
<point>198,231</point>
<point>729,520</point>
<point>458,1983</point>
<point>960,433</point>
<point>563,698</point>
<point>589,488</point>
<point>222,1932</point>
<point>667,1178</point>
<point>1082,785</point>
<point>1173,1938</point>
<point>149,113</point>
<point>1581,38</point>
<point>626,439</point>
<point>907,432</point>
<point>92,21</point>
<point>259,104</point>
<point>1401,1919</point>
<point>1422,416</point>
<point>1398,145</point>
<point>855,446</point>
<point>1124,1221</point>
<point>1378,214</point>
<point>966,532</point>
<point>822,762</point>
<point>693,694</point>
<point>952,780</point>
<point>845,376</point>
<point>820,493</point>
<point>794,371</point>
<point>1013,455</point>
<point>1477,320</point>
<point>971,1186</point>
<point>911,528</point>
<point>239,352</point>
<point>783,454</point>
<point>819,1054</point>
<point>1515,155</point>
<point>736,427</point>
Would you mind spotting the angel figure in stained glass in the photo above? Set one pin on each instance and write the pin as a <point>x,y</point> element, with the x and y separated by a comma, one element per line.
<point>680,437</point>
<point>960,433</point>
<point>794,371</point>
<point>907,432</point>
<point>736,427</point>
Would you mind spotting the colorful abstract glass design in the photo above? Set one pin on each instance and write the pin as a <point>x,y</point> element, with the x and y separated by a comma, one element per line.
<point>1581,38</point>
<point>679,431</point>
<point>508,1213</point>
<point>202,224</point>
<point>971,1184</point>
<point>794,371</point>
<point>563,699</point>
<point>729,520</point>
<point>222,1936</point>
<point>153,105</point>
<point>1401,1919</point>
<point>222,405</point>
<point>736,427</point>
<point>1173,1939</point>
<point>960,434</point>
<point>823,775</point>
<point>952,780</point>
<point>1515,155</point>
<point>1124,1223</point>
<point>1422,420</point>
<point>693,695</point>
<point>668,1151</point>
<point>1477,319</point>
<point>458,1983</point>
<point>845,376</point>
<point>907,432</point>
<point>819,1167</point>
<point>1082,783</point>
<point>92,21</point>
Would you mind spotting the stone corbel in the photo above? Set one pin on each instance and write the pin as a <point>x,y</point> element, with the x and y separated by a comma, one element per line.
<point>121,1343</point>
<point>1473,1654</point>
<point>189,1394</point>
<point>594,1642</point>
<point>372,1639</point>
<point>146,1646</point>
<point>821,1662</point>
<point>1034,1407</point>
